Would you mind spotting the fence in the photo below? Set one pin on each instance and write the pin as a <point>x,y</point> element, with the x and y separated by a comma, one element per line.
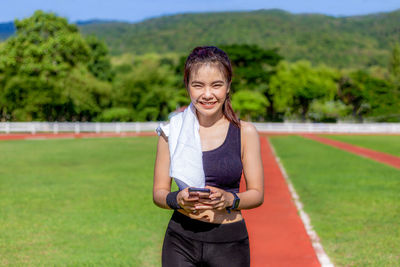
<point>119,127</point>
<point>76,127</point>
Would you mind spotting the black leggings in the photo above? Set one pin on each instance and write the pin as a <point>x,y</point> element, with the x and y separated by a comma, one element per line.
<point>191,242</point>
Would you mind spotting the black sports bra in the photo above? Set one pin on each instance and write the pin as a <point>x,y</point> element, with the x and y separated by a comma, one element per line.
<point>223,165</point>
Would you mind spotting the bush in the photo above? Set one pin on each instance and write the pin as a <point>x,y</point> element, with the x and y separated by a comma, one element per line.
<point>329,111</point>
<point>116,114</point>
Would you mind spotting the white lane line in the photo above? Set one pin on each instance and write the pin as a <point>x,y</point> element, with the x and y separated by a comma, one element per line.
<point>315,241</point>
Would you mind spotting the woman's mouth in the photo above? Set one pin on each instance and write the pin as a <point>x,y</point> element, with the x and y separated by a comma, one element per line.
<point>208,104</point>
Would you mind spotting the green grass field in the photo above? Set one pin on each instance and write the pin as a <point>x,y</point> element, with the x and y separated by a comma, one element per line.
<point>88,202</point>
<point>389,144</point>
<point>84,202</point>
<point>353,202</point>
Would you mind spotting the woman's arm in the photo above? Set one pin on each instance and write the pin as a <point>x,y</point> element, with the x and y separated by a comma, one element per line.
<point>162,181</point>
<point>252,168</point>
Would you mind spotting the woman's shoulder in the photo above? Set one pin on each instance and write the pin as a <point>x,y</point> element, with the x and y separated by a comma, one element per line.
<point>248,129</point>
<point>248,136</point>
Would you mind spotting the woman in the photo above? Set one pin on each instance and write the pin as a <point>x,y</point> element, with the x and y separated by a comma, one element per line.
<point>207,229</point>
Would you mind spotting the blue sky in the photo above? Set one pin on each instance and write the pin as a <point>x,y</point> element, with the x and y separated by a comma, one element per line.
<point>134,10</point>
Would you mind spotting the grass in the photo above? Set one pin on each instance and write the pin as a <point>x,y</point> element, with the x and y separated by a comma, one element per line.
<point>353,202</point>
<point>384,143</point>
<point>79,202</point>
<point>88,202</point>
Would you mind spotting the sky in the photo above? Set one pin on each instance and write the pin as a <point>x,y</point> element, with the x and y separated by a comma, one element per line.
<point>135,10</point>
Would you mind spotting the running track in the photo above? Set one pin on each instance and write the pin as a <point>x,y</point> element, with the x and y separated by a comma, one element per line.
<point>385,158</point>
<point>39,136</point>
<point>277,234</point>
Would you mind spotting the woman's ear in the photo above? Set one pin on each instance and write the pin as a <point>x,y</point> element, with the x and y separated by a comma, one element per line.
<point>229,88</point>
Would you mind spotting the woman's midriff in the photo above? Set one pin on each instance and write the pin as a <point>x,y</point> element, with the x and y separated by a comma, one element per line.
<point>215,216</point>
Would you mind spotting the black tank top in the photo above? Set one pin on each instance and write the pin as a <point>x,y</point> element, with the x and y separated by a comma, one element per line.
<point>223,165</point>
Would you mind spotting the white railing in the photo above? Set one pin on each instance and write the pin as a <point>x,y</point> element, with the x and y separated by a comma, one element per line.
<point>76,127</point>
<point>118,127</point>
<point>382,128</point>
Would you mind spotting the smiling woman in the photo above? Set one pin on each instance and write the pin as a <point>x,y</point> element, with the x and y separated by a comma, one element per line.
<point>207,227</point>
<point>208,91</point>
<point>210,68</point>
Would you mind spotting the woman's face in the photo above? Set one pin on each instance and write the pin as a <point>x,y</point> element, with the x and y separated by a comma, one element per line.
<point>208,89</point>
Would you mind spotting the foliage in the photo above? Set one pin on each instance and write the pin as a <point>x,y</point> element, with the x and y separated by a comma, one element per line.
<point>383,97</point>
<point>99,64</point>
<point>296,85</point>
<point>353,93</point>
<point>250,104</point>
<point>327,111</point>
<point>341,42</point>
<point>394,64</point>
<point>369,96</point>
<point>253,68</point>
<point>44,73</point>
<point>48,71</point>
<point>252,65</point>
<point>116,114</point>
<point>84,95</point>
<point>150,89</point>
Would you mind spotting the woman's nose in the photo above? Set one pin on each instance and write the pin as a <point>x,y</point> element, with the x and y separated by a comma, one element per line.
<point>207,92</point>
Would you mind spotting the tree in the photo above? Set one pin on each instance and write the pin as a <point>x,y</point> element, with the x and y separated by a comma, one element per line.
<point>37,67</point>
<point>352,91</point>
<point>394,64</point>
<point>249,104</point>
<point>296,85</point>
<point>99,64</point>
<point>149,90</point>
<point>253,68</point>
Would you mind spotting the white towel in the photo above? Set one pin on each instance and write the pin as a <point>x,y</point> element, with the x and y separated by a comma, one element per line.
<point>186,166</point>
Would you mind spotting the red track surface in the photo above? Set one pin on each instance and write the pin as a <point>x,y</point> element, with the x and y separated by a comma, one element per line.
<point>69,135</point>
<point>365,152</point>
<point>277,234</point>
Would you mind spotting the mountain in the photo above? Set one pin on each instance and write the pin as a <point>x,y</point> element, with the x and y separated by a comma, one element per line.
<point>352,41</point>
<point>6,30</point>
<point>337,41</point>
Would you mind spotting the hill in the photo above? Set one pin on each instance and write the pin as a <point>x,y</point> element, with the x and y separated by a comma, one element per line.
<point>6,29</point>
<point>337,41</point>
<point>355,41</point>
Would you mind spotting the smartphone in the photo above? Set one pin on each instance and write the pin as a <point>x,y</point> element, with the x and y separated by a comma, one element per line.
<point>198,189</point>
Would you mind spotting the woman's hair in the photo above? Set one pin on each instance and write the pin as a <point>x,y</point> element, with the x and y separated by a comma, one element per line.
<point>212,55</point>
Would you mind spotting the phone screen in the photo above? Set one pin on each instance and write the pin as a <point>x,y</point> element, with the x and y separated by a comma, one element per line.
<point>196,189</point>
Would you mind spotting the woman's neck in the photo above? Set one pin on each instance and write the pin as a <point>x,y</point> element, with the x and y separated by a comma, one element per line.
<point>208,121</point>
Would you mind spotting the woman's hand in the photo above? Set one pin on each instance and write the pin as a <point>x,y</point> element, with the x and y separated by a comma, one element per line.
<point>218,199</point>
<point>187,200</point>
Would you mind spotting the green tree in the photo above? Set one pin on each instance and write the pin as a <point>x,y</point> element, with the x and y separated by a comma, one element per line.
<point>44,73</point>
<point>327,111</point>
<point>149,90</point>
<point>296,85</point>
<point>249,104</point>
<point>99,64</point>
<point>352,91</point>
<point>253,68</point>
<point>394,65</point>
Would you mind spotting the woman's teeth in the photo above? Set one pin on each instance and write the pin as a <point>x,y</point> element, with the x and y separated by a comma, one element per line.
<point>208,103</point>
